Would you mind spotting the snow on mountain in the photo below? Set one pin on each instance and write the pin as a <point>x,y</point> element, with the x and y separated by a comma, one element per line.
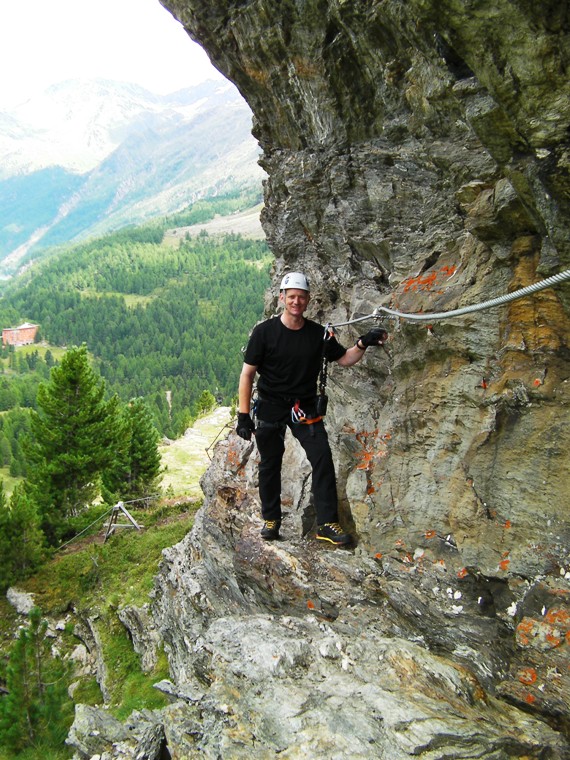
<point>87,157</point>
<point>78,123</point>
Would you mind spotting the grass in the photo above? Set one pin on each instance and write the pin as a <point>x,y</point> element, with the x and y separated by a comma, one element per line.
<point>130,688</point>
<point>56,351</point>
<point>102,576</point>
<point>131,299</point>
<point>34,753</point>
<point>8,622</point>
<point>87,691</point>
<point>186,459</point>
<point>8,481</point>
<point>96,578</point>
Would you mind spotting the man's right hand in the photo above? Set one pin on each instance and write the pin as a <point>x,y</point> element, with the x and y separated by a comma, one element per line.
<point>245,426</point>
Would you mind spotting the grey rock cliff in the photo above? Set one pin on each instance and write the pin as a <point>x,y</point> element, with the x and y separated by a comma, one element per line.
<point>417,157</point>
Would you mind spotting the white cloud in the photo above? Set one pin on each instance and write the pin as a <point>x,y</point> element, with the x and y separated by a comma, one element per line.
<point>47,41</point>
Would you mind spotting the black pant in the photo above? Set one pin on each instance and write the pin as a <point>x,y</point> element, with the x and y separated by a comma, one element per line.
<point>270,439</point>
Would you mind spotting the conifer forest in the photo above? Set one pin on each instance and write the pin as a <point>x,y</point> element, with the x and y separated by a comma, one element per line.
<point>136,339</point>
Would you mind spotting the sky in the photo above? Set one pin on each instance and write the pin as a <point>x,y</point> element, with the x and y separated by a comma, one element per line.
<point>47,41</point>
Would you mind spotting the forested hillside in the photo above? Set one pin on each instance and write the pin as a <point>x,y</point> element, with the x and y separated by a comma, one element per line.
<point>159,330</point>
<point>163,323</point>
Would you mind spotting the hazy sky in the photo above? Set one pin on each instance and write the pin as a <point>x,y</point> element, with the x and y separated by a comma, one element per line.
<point>47,41</point>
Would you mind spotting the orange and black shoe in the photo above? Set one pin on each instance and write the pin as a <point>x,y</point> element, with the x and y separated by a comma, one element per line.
<point>334,533</point>
<point>270,530</point>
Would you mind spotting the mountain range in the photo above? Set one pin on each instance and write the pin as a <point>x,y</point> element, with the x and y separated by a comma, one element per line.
<point>87,157</point>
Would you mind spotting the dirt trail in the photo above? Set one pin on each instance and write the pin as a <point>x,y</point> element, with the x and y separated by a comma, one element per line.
<point>186,458</point>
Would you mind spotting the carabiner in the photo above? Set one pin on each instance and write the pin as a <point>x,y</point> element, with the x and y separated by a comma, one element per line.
<point>297,414</point>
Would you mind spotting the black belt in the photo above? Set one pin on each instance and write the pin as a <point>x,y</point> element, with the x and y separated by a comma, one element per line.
<point>286,401</point>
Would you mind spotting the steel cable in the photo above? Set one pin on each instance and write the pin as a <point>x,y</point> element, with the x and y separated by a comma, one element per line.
<point>430,317</point>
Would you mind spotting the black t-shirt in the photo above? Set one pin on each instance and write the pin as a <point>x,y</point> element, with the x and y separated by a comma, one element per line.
<point>289,361</point>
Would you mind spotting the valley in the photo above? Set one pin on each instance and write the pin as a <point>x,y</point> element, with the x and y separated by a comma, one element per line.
<point>86,158</point>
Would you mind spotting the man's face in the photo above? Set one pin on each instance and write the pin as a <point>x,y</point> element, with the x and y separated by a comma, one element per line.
<point>295,301</point>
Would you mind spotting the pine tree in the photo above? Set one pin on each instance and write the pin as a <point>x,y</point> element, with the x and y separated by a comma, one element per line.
<point>75,432</point>
<point>36,708</point>
<point>21,539</point>
<point>206,402</point>
<point>135,474</point>
<point>5,451</point>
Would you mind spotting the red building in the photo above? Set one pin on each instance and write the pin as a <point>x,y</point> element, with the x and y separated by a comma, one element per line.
<point>19,336</point>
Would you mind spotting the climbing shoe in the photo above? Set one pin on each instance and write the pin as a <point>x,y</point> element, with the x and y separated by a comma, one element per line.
<point>270,530</point>
<point>333,532</point>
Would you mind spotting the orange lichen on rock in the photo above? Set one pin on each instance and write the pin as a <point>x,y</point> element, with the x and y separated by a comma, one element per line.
<point>523,631</point>
<point>527,676</point>
<point>540,634</point>
<point>558,616</point>
<point>554,639</point>
<point>235,459</point>
<point>373,445</point>
<point>255,73</point>
<point>305,67</point>
<point>427,281</point>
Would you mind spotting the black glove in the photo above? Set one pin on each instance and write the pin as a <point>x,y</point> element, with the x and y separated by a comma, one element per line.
<point>245,426</point>
<point>375,337</point>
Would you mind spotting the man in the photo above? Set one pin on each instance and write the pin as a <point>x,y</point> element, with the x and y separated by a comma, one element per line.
<point>287,352</point>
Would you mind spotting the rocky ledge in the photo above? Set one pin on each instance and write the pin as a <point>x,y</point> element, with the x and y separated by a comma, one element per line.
<point>290,649</point>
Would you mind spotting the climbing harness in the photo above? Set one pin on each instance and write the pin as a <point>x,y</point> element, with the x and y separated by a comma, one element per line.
<point>298,416</point>
<point>427,317</point>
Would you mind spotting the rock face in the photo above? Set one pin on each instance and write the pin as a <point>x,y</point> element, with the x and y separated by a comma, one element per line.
<point>417,158</point>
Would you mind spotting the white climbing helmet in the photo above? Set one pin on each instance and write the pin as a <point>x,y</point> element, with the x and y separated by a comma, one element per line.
<point>295,280</point>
